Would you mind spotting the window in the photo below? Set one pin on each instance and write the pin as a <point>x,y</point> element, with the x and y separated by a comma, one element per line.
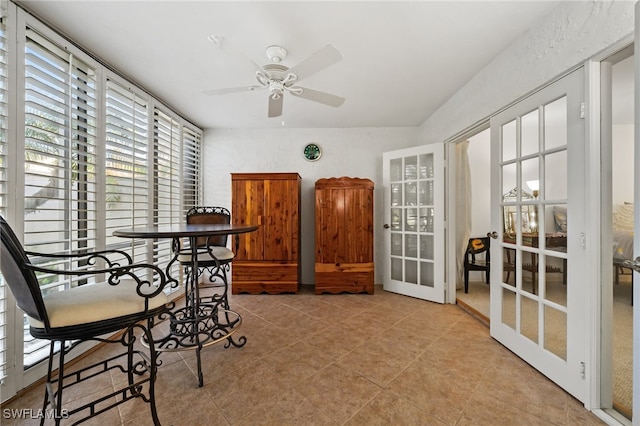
<point>191,143</point>
<point>99,153</point>
<point>167,181</point>
<point>60,169</point>
<point>127,164</point>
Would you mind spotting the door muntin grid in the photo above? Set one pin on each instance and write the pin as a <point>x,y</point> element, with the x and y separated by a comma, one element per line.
<point>412,219</point>
<point>534,239</point>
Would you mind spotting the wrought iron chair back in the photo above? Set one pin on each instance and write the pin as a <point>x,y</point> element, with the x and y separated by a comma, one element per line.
<point>22,281</point>
<point>210,215</point>
<point>87,312</point>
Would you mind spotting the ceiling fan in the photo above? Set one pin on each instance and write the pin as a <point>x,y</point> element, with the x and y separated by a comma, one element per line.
<point>279,79</point>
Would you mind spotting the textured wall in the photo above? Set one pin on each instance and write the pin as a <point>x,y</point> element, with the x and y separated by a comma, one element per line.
<point>570,34</point>
<point>355,152</point>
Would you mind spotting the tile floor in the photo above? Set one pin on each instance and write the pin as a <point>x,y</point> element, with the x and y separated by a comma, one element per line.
<point>381,359</point>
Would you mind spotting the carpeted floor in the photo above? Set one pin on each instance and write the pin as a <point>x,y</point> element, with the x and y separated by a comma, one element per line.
<point>478,300</point>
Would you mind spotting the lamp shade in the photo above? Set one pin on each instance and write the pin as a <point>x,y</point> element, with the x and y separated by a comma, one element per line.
<point>534,185</point>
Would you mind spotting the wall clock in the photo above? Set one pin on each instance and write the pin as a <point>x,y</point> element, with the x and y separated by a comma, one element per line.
<point>312,152</point>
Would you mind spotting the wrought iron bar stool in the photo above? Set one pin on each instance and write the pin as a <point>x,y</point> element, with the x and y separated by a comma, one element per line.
<point>125,305</point>
<point>214,257</point>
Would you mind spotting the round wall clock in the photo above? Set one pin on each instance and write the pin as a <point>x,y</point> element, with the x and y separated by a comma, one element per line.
<point>312,152</point>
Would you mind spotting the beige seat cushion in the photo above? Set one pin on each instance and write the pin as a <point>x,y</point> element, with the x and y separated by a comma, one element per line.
<point>223,254</point>
<point>95,302</point>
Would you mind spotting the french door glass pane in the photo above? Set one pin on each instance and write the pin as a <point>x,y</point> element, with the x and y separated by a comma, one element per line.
<point>555,281</point>
<point>411,168</point>
<point>555,326</point>
<point>426,274</point>
<point>530,133</point>
<point>395,170</point>
<point>508,141</point>
<point>529,318</point>
<point>508,301</point>
<point>555,124</point>
<point>556,175</point>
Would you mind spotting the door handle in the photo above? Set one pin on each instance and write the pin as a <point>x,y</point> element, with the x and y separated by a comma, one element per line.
<point>493,235</point>
<point>633,264</point>
<point>386,226</point>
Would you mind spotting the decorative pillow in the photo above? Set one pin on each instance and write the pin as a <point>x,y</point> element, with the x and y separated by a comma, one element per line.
<point>560,218</point>
<point>623,217</point>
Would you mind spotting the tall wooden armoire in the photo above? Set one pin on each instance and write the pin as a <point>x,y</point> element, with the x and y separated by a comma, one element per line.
<point>267,260</point>
<point>344,235</point>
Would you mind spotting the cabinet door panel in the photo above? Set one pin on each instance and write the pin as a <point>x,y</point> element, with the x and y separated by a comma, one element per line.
<point>280,220</point>
<point>330,247</point>
<point>359,226</point>
<point>248,209</point>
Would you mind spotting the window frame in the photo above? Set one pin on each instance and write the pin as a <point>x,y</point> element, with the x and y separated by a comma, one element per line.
<point>14,211</point>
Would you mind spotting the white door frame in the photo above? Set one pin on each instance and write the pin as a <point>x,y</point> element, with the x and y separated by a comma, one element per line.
<point>598,271</point>
<point>452,205</point>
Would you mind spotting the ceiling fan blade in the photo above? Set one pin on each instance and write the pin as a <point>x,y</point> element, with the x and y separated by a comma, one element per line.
<point>275,106</point>
<point>321,97</point>
<point>320,60</point>
<point>232,90</point>
<point>229,48</point>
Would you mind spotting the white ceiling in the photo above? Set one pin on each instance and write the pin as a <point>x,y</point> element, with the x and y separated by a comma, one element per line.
<point>402,60</point>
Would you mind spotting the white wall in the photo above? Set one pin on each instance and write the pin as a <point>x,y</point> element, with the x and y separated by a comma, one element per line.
<point>354,152</point>
<point>573,32</point>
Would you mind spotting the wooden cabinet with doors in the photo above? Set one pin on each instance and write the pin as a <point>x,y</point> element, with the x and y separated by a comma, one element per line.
<point>267,260</point>
<point>344,235</point>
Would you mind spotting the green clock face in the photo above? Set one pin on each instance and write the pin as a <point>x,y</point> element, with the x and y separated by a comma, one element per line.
<point>312,152</point>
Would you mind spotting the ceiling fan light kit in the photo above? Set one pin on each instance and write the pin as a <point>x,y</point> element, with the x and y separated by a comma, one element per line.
<point>279,79</point>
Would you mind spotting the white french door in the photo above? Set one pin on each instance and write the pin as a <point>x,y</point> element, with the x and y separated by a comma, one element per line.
<point>414,222</point>
<point>538,288</point>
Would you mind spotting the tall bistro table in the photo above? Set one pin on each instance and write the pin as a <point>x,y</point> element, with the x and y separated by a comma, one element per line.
<point>200,322</point>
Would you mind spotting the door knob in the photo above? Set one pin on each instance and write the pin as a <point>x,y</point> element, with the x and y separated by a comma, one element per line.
<point>493,235</point>
<point>386,226</point>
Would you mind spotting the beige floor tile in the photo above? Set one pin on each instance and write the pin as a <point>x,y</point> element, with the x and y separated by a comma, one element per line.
<point>484,409</point>
<point>237,393</point>
<point>287,408</point>
<point>381,359</point>
<point>337,392</point>
<point>432,390</point>
<point>387,409</point>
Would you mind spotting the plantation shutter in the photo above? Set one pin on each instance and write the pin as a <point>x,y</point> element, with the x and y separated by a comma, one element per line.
<point>127,167</point>
<point>3,190</point>
<point>59,171</point>
<point>191,152</point>
<point>167,181</point>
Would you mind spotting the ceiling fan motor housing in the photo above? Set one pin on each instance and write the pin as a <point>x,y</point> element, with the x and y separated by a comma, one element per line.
<point>276,53</point>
